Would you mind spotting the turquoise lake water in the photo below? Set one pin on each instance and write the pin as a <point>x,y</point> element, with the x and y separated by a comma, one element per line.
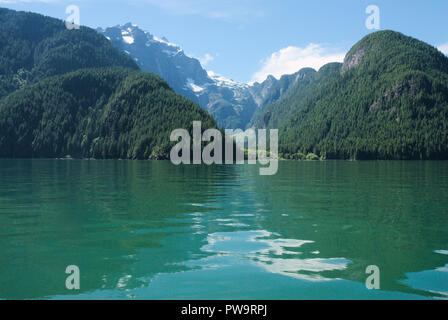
<point>151,230</point>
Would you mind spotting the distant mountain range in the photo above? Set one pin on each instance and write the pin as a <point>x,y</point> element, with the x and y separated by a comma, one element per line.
<point>70,92</point>
<point>80,93</point>
<point>232,104</point>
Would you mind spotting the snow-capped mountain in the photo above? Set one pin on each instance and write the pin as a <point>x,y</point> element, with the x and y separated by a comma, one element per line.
<point>157,55</point>
<point>231,103</point>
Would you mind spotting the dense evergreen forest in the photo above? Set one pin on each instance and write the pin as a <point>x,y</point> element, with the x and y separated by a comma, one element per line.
<point>33,47</point>
<point>70,92</point>
<point>388,100</point>
<point>96,113</point>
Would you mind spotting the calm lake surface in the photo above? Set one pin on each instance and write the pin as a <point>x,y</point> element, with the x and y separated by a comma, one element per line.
<point>151,230</point>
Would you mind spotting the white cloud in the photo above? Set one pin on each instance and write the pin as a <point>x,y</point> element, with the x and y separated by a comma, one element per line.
<point>443,48</point>
<point>206,59</point>
<point>291,59</point>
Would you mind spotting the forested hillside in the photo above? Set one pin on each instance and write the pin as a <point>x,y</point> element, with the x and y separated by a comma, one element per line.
<point>95,113</point>
<point>33,47</point>
<point>290,88</point>
<point>388,100</point>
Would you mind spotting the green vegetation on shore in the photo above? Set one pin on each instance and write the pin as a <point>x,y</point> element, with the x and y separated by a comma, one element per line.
<point>96,113</point>
<point>388,100</point>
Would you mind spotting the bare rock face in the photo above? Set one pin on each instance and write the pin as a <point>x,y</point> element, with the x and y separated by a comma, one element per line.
<point>353,60</point>
<point>400,88</point>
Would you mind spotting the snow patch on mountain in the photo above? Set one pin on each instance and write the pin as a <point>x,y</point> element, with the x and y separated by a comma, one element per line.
<point>225,82</point>
<point>127,36</point>
<point>165,41</point>
<point>128,39</point>
<point>192,86</point>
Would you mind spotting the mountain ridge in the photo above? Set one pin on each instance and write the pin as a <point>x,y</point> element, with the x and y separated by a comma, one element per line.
<point>388,100</point>
<point>101,113</point>
<point>33,47</point>
<point>232,104</point>
<point>77,95</point>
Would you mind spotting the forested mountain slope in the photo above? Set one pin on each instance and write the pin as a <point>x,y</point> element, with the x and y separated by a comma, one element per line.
<point>96,113</point>
<point>33,47</point>
<point>388,100</point>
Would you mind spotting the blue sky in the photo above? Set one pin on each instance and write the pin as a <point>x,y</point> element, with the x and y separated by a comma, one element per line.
<point>246,40</point>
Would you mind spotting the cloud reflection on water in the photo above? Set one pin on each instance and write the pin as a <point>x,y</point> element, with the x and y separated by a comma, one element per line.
<point>279,256</point>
